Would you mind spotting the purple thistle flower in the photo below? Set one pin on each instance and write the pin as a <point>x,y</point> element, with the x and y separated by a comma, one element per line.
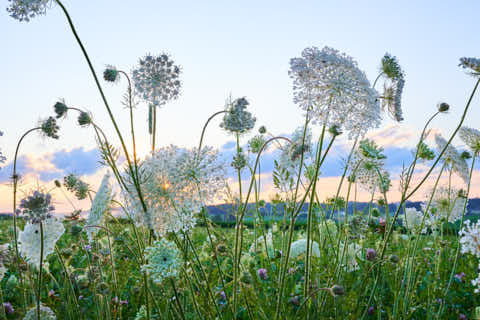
<point>370,311</point>
<point>371,254</point>
<point>223,296</point>
<point>8,308</point>
<point>262,273</point>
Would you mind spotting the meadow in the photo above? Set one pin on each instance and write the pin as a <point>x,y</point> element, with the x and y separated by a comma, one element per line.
<point>165,257</point>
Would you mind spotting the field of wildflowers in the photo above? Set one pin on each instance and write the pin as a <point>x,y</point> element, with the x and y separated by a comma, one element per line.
<point>164,257</point>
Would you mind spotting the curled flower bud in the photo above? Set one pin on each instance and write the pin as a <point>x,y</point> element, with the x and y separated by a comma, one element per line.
<point>239,161</point>
<point>110,74</point>
<point>394,259</point>
<point>262,130</point>
<point>443,106</point>
<point>391,68</point>
<point>237,119</point>
<point>465,155</point>
<point>84,119</point>
<point>60,109</point>
<point>57,184</point>
<point>50,128</point>
<point>256,143</point>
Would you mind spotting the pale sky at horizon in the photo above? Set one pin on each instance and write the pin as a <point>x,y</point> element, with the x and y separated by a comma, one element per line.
<point>225,47</point>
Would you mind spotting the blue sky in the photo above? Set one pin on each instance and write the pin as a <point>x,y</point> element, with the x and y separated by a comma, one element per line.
<point>240,48</point>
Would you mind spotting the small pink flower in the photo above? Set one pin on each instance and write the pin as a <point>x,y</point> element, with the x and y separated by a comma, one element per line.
<point>262,273</point>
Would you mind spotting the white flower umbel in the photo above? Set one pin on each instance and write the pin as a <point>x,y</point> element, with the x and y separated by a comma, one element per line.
<point>332,90</point>
<point>471,137</point>
<point>368,167</point>
<point>3,270</point>
<point>176,183</point>
<point>350,256</point>
<point>470,243</point>
<point>100,205</point>
<point>471,63</point>
<point>412,220</point>
<point>453,158</point>
<point>156,79</point>
<point>446,205</point>
<point>24,10</point>
<point>29,239</point>
<point>163,260</point>
<point>45,314</point>
<point>261,242</point>
<point>300,247</point>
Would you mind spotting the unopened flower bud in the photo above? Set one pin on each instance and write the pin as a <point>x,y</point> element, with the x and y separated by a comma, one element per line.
<point>337,290</point>
<point>443,107</point>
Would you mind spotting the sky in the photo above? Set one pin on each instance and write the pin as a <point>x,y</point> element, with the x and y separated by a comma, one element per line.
<point>225,48</point>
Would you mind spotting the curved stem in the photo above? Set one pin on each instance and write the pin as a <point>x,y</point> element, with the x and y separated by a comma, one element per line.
<point>205,128</point>
<point>40,271</point>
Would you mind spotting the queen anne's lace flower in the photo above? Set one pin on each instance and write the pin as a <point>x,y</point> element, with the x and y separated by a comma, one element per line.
<point>300,247</point>
<point>157,79</point>
<point>176,183</point>
<point>37,207</point>
<point>2,271</point>
<point>237,119</point>
<point>453,158</point>
<point>260,243</point>
<point>100,205</point>
<point>24,10</point>
<point>446,204</point>
<point>368,167</point>
<point>45,314</point>
<point>330,87</point>
<point>470,243</point>
<point>350,255</point>
<point>471,137</point>
<point>29,239</point>
<point>472,64</point>
<point>49,128</point>
<point>164,260</point>
<point>392,101</point>
<point>413,220</point>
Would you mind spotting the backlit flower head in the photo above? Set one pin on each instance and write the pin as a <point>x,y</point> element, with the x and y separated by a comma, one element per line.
<point>237,119</point>
<point>164,260</point>
<point>413,220</point>
<point>256,143</point>
<point>24,10</point>
<point>74,184</point>
<point>392,100</point>
<point>37,207</point>
<point>471,63</point>
<point>100,205</point>
<point>45,313</point>
<point>332,90</point>
<point>452,157</point>
<point>300,247</point>
<point>350,256</point>
<point>156,79</point>
<point>446,205</point>
<point>471,137</point>
<point>470,238</point>
<point>29,239</point>
<point>367,167</point>
<point>176,183</point>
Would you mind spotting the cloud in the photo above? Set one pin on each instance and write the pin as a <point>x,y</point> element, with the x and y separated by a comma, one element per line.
<point>79,161</point>
<point>55,165</point>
